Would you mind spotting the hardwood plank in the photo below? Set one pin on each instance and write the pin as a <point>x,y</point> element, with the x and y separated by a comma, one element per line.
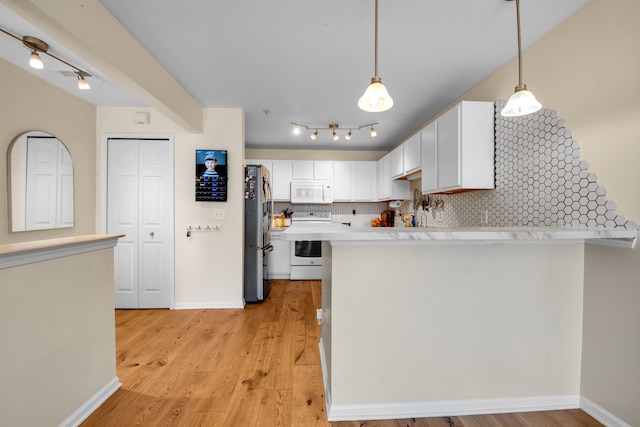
<point>257,366</point>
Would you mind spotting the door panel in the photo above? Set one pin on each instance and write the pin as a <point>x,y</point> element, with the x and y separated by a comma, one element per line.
<point>140,205</point>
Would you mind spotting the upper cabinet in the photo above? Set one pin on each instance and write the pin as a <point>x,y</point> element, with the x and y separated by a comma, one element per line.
<point>411,150</point>
<point>388,188</point>
<point>307,170</point>
<point>281,180</point>
<point>354,181</point>
<point>458,149</point>
<point>405,159</point>
<point>396,164</point>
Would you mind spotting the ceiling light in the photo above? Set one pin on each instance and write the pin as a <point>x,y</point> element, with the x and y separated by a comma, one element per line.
<point>334,128</point>
<point>82,83</point>
<point>35,61</point>
<point>334,135</point>
<point>296,130</point>
<point>522,102</point>
<point>36,45</point>
<point>375,98</point>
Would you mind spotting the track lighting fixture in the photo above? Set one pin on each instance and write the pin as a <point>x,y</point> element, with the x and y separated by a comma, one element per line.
<point>522,102</point>
<point>37,46</point>
<point>334,130</point>
<point>376,98</point>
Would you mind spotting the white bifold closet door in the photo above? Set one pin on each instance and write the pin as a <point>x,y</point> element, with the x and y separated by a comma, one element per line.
<point>140,206</point>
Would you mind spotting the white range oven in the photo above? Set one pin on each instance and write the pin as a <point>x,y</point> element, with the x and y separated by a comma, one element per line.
<point>306,255</point>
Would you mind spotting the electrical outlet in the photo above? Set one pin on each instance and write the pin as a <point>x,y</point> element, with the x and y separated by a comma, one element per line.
<point>218,214</point>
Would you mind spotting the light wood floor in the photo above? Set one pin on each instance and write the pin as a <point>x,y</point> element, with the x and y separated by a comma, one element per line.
<point>240,368</point>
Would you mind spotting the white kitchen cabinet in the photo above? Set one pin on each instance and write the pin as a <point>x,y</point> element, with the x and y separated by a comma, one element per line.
<point>279,262</point>
<point>429,155</point>
<point>411,150</point>
<point>307,170</point>
<point>323,170</point>
<point>363,181</point>
<point>281,180</point>
<point>354,181</point>
<point>463,149</point>
<point>388,188</point>
<point>397,162</point>
<point>342,181</point>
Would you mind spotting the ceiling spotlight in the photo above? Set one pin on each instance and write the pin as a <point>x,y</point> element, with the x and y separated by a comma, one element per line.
<point>314,135</point>
<point>334,134</point>
<point>522,102</point>
<point>35,61</point>
<point>348,135</point>
<point>82,83</point>
<point>373,132</point>
<point>296,130</point>
<point>375,98</point>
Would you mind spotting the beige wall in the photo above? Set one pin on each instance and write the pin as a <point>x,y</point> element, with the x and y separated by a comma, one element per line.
<point>490,321</point>
<point>57,329</point>
<point>31,104</point>
<point>208,265</point>
<point>587,69</point>
<point>56,317</point>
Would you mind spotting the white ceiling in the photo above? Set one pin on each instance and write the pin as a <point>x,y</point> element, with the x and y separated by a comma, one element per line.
<point>309,61</point>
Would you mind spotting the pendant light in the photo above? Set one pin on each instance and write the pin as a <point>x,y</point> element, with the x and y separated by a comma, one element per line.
<point>522,102</point>
<point>375,98</point>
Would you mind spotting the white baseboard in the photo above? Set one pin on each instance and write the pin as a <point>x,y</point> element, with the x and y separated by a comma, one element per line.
<point>92,404</point>
<point>442,408</point>
<point>325,377</point>
<point>601,414</point>
<point>208,305</point>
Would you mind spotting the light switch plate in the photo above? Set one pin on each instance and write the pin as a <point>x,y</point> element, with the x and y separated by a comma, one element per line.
<point>218,214</point>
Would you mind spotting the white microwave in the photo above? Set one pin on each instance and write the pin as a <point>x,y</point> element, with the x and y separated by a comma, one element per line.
<point>311,192</point>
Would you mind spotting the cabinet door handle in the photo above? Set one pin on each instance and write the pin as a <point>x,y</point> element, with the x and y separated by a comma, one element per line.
<point>152,234</point>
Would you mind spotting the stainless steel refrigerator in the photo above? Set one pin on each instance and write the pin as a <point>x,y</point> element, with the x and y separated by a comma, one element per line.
<point>257,226</point>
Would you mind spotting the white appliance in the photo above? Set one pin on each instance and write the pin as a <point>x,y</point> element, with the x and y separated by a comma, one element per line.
<point>312,192</point>
<point>306,255</point>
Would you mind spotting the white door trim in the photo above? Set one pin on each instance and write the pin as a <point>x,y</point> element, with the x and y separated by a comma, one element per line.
<point>102,221</point>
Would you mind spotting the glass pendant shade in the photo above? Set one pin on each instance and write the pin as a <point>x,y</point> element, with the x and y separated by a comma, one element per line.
<point>35,61</point>
<point>375,98</point>
<point>521,103</point>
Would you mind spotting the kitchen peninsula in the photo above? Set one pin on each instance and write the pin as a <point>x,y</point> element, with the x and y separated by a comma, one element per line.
<point>439,321</point>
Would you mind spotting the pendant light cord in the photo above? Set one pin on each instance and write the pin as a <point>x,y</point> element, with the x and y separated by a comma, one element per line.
<point>376,41</point>
<point>519,44</point>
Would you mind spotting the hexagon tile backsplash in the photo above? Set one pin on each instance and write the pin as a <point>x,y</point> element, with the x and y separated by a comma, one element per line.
<point>540,181</point>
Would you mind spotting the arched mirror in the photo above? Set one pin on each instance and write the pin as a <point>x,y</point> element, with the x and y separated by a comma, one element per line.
<point>40,183</point>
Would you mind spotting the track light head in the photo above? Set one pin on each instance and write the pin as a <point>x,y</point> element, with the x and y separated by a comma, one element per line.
<point>314,135</point>
<point>373,132</point>
<point>348,135</point>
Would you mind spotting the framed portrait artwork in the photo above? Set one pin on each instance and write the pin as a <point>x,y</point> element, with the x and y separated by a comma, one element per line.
<point>211,175</point>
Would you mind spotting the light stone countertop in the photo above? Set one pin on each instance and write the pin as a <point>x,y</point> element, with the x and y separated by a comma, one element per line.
<point>340,234</point>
